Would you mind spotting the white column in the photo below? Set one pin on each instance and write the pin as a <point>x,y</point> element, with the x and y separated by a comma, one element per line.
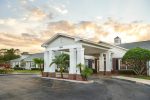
<point>119,64</point>
<point>73,57</point>
<point>19,64</point>
<point>108,62</point>
<point>51,57</point>
<point>80,57</point>
<point>46,61</point>
<point>101,62</point>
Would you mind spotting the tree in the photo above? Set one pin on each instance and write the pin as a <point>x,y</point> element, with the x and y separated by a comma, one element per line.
<point>9,54</point>
<point>84,70</point>
<point>39,62</point>
<point>62,62</point>
<point>137,59</point>
<point>80,66</point>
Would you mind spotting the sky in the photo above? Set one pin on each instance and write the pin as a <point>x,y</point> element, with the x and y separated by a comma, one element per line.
<point>26,24</point>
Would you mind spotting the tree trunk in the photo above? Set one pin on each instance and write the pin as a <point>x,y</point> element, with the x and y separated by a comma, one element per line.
<point>61,72</point>
<point>41,69</point>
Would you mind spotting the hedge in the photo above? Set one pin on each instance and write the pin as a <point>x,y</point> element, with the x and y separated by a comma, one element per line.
<point>5,71</point>
<point>126,72</point>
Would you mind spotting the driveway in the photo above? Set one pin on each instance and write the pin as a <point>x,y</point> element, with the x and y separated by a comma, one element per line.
<point>29,87</point>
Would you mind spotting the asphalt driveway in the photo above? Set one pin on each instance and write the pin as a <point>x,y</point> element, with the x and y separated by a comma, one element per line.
<point>29,87</point>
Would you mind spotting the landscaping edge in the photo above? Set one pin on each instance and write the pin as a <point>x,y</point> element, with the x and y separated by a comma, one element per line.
<point>134,80</point>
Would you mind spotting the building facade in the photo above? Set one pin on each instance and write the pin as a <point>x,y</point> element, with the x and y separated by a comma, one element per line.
<point>26,61</point>
<point>98,55</point>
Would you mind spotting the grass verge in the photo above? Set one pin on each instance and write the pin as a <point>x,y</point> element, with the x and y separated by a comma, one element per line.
<point>26,71</point>
<point>143,77</point>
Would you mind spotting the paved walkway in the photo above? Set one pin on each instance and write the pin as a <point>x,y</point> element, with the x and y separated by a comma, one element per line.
<point>137,80</point>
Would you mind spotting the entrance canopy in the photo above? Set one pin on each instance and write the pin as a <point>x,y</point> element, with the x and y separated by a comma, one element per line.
<point>78,49</point>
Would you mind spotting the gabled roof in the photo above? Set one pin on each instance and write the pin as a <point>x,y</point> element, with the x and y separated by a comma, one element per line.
<point>32,56</point>
<point>141,44</point>
<point>71,37</point>
<point>54,37</point>
<point>108,45</point>
<point>16,60</point>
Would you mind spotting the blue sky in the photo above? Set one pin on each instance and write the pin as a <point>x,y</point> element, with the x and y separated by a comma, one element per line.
<point>38,20</point>
<point>78,10</point>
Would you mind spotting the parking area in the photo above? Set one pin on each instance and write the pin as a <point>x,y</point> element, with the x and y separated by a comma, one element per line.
<point>31,87</point>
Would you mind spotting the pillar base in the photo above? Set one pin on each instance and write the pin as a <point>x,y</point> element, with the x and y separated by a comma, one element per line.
<point>72,76</point>
<point>108,73</point>
<point>44,74</point>
<point>52,74</point>
<point>80,78</point>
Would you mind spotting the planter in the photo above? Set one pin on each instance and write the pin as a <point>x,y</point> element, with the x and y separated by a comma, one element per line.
<point>80,78</point>
<point>44,74</point>
<point>65,75</point>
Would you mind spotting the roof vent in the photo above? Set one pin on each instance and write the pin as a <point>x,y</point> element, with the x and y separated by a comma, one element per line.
<point>117,40</point>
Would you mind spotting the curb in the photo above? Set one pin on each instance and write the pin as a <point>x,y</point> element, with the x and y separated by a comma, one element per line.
<point>73,81</point>
<point>18,74</point>
<point>131,81</point>
<point>124,80</point>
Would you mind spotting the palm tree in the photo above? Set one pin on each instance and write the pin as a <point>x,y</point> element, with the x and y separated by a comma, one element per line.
<point>39,62</point>
<point>84,70</point>
<point>80,66</point>
<point>62,62</point>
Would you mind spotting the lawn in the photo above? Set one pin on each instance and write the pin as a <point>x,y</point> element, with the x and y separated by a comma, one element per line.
<point>26,71</point>
<point>143,77</point>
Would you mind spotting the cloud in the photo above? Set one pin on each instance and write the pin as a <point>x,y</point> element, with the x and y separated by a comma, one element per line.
<point>105,31</point>
<point>61,9</point>
<point>26,42</point>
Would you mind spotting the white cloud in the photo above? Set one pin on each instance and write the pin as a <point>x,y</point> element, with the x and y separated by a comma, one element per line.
<point>61,9</point>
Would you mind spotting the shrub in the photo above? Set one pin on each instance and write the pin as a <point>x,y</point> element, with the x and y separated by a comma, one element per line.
<point>2,71</point>
<point>94,70</point>
<point>19,68</point>
<point>86,72</point>
<point>6,71</point>
<point>126,72</point>
<point>136,59</point>
<point>35,69</point>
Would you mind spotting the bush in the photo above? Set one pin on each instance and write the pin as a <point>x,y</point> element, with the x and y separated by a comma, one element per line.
<point>5,71</point>
<point>126,72</point>
<point>94,70</point>
<point>19,68</point>
<point>86,72</point>
<point>137,58</point>
<point>2,71</point>
<point>35,68</point>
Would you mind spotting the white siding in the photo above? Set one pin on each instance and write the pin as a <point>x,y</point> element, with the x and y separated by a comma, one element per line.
<point>117,52</point>
<point>61,41</point>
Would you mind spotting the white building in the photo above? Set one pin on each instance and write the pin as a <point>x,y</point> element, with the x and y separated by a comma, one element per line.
<point>98,55</point>
<point>27,59</point>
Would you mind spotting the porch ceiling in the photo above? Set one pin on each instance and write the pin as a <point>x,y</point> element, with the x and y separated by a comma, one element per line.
<point>92,50</point>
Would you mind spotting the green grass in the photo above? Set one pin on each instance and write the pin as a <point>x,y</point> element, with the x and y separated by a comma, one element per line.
<point>27,71</point>
<point>143,77</point>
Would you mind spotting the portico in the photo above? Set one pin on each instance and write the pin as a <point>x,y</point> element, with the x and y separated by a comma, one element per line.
<point>83,51</point>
